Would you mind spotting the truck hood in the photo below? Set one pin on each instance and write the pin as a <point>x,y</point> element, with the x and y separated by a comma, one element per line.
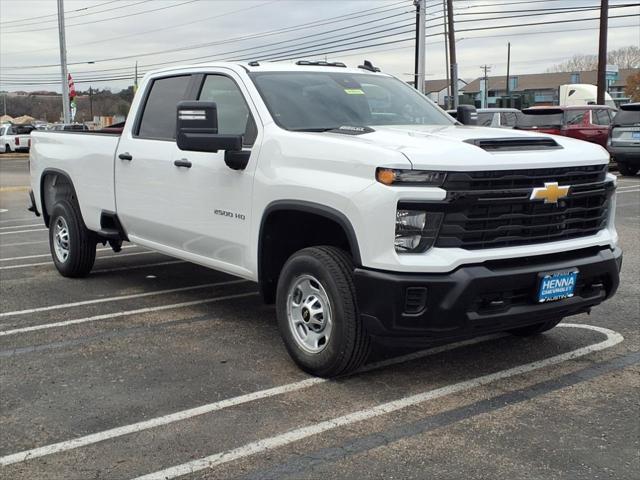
<point>448,148</point>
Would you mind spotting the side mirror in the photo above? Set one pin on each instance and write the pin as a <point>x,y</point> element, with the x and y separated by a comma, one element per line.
<point>197,129</point>
<point>467,115</point>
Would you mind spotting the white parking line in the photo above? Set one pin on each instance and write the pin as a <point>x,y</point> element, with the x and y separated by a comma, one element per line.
<point>109,316</point>
<point>215,406</point>
<point>25,231</point>
<point>291,436</point>
<point>635,190</point>
<point>118,298</point>
<point>19,244</point>
<point>49,254</point>
<point>23,226</point>
<point>39,264</point>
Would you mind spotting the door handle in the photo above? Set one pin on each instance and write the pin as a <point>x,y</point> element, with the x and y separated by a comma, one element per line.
<point>182,163</point>
<point>125,156</point>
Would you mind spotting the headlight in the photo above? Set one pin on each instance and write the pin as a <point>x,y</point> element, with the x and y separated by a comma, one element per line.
<point>416,230</point>
<point>394,176</point>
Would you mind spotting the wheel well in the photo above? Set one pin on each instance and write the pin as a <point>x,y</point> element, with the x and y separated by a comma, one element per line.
<point>285,231</point>
<point>55,186</point>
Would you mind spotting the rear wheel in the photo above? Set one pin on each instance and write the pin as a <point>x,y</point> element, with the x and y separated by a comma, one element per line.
<point>73,246</point>
<point>535,329</point>
<point>317,312</point>
<point>627,170</point>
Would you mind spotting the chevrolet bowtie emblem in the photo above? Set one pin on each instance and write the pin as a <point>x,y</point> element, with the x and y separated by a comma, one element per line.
<point>550,193</point>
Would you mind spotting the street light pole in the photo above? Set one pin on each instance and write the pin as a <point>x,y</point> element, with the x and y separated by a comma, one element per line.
<point>66,106</point>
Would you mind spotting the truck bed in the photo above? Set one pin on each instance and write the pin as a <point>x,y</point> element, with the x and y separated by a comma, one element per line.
<point>87,158</point>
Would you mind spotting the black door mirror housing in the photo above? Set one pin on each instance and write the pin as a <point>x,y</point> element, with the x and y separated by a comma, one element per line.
<point>197,129</point>
<point>467,115</point>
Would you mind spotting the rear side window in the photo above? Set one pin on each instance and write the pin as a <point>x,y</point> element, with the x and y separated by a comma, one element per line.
<point>159,115</point>
<point>601,117</point>
<point>485,119</point>
<point>508,119</point>
<point>540,118</point>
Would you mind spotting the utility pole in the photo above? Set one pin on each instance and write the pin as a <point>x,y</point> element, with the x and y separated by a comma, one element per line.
<point>508,65</point>
<point>485,95</point>
<point>446,52</point>
<point>452,54</point>
<point>66,105</point>
<point>602,51</point>
<point>421,6</point>
<point>91,102</point>
<point>135,82</point>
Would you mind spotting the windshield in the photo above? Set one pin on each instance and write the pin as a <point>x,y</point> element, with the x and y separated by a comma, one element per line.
<point>317,101</point>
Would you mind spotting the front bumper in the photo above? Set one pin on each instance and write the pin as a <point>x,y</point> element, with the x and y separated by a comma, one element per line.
<point>416,309</point>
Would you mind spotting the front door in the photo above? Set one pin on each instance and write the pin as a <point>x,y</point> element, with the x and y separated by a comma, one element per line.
<point>216,216</point>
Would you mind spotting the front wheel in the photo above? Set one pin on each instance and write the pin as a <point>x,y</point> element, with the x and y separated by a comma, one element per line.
<point>535,329</point>
<point>317,312</point>
<point>627,170</point>
<point>73,246</point>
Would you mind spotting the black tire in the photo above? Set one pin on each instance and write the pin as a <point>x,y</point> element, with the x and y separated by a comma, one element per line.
<point>627,170</point>
<point>81,241</point>
<point>535,329</point>
<point>349,344</point>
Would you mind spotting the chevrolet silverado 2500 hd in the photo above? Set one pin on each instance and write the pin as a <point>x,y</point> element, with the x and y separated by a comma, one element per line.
<point>363,211</point>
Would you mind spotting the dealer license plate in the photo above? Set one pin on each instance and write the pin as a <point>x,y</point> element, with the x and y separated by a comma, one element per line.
<point>557,285</point>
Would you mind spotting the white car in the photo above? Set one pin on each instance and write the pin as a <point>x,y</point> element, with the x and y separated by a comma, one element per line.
<point>360,208</point>
<point>15,138</point>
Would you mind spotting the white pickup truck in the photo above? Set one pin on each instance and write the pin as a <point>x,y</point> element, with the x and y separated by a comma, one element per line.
<point>362,210</point>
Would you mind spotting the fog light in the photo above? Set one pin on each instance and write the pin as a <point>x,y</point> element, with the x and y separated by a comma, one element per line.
<point>416,230</point>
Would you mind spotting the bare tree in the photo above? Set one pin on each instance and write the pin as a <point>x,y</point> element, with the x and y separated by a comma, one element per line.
<point>625,57</point>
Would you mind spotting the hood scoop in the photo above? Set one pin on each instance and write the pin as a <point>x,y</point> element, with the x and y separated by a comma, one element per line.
<point>509,144</point>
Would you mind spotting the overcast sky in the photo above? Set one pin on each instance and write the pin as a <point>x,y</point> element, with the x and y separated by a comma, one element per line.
<point>105,31</point>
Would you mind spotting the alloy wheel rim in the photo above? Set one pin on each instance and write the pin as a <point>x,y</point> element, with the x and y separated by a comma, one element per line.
<point>61,239</point>
<point>309,313</point>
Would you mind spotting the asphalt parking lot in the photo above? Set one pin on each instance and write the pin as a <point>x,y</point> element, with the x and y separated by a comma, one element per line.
<point>157,368</point>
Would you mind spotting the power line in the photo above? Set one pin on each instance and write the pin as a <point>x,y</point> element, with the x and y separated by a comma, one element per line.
<point>216,43</point>
<point>107,19</point>
<point>330,20</point>
<point>55,14</point>
<point>119,7</point>
<point>312,49</point>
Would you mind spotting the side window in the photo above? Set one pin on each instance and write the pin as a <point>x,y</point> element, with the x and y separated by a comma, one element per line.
<point>159,116</point>
<point>234,117</point>
<point>601,117</point>
<point>575,117</point>
<point>508,119</point>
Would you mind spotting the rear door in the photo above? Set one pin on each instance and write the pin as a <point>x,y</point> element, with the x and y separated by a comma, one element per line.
<point>144,172</point>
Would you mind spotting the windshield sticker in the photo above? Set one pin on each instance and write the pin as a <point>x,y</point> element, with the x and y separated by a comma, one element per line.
<point>353,91</point>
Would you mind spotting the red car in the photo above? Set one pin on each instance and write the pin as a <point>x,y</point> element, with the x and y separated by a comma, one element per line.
<point>584,122</point>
